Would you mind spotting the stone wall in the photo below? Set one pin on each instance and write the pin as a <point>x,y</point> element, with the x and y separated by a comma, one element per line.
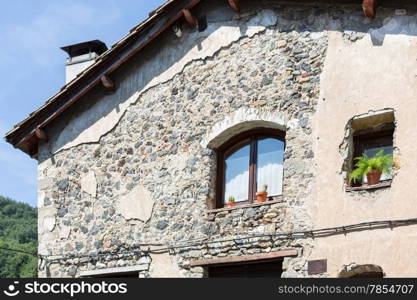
<point>150,180</point>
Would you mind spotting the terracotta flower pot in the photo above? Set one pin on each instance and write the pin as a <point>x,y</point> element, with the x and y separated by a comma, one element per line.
<point>373,177</point>
<point>231,204</point>
<point>261,196</point>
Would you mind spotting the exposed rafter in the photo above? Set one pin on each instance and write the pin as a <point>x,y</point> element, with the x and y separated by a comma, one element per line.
<point>107,83</point>
<point>41,135</point>
<point>235,5</point>
<point>191,20</point>
<point>369,8</point>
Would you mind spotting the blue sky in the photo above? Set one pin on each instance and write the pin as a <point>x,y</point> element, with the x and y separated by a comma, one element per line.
<point>32,65</point>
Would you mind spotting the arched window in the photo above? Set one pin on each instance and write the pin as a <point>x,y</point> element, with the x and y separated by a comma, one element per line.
<point>249,161</point>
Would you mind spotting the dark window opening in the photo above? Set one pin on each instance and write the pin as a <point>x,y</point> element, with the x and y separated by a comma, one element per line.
<point>271,269</point>
<point>368,275</point>
<point>247,163</point>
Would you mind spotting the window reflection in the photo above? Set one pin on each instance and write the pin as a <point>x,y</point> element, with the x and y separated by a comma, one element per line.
<point>270,165</point>
<point>237,175</point>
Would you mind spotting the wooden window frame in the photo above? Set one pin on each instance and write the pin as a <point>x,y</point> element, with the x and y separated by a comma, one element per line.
<point>249,137</point>
<point>360,141</point>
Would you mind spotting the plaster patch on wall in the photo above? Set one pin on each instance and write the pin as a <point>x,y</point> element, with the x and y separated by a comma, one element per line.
<point>163,266</point>
<point>89,183</point>
<point>41,198</point>
<point>64,232</point>
<point>47,219</point>
<point>242,120</point>
<point>45,183</point>
<point>213,39</point>
<point>43,166</point>
<point>90,126</point>
<point>137,204</point>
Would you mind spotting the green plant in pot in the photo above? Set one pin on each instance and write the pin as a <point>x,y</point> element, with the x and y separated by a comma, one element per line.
<point>231,201</point>
<point>372,167</point>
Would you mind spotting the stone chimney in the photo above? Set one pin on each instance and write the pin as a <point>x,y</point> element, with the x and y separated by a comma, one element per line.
<point>81,56</point>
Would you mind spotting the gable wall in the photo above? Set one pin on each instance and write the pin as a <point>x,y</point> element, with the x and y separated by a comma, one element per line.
<point>133,167</point>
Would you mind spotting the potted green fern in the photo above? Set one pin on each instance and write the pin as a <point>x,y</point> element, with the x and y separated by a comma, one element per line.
<point>372,168</point>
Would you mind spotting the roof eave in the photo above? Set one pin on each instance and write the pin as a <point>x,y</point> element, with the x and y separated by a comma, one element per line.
<point>23,136</point>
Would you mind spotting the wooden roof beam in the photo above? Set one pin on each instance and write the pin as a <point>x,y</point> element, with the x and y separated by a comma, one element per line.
<point>191,20</point>
<point>369,8</point>
<point>41,135</point>
<point>108,83</point>
<point>235,5</point>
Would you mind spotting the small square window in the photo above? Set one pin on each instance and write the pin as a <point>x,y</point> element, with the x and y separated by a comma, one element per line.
<point>369,143</point>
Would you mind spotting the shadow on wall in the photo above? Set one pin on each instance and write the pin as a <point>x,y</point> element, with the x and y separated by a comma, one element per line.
<point>100,112</point>
<point>394,25</point>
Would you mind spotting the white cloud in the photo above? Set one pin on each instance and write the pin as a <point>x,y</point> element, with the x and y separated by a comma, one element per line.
<point>238,187</point>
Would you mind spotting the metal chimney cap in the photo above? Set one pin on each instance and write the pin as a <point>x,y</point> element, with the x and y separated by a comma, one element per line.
<point>95,46</point>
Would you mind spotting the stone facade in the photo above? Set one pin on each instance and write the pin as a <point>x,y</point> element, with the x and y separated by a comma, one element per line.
<point>150,178</point>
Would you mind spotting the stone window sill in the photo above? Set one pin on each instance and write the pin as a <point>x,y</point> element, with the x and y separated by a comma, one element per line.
<point>276,200</point>
<point>365,187</point>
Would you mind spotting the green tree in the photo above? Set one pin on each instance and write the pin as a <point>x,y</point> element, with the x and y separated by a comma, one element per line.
<point>18,230</point>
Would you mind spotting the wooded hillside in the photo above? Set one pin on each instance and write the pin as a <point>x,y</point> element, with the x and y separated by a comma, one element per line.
<point>18,230</point>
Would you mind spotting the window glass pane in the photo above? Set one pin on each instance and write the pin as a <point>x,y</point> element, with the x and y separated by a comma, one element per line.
<point>371,152</point>
<point>270,165</point>
<point>237,175</point>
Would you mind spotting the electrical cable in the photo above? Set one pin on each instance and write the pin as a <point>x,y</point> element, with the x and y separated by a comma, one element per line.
<point>246,236</point>
<point>199,242</point>
<point>18,251</point>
